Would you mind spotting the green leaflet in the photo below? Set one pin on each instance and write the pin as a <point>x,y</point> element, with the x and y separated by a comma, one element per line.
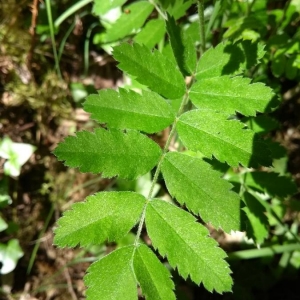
<point>231,95</point>
<point>229,59</point>
<point>129,110</point>
<point>137,14</point>
<point>112,277</point>
<point>187,246</point>
<point>110,216</point>
<point>182,46</point>
<point>103,6</point>
<point>255,212</point>
<point>151,34</point>
<point>111,152</point>
<point>194,183</point>
<point>212,134</point>
<point>152,69</point>
<point>269,182</point>
<point>152,275</point>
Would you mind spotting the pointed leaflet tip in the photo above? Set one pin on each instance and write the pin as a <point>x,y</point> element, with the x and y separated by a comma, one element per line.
<point>112,277</point>
<point>231,95</point>
<point>111,215</point>
<point>153,277</point>
<point>227,140</point>
<point>175,233</point>
<point>153,69</point>
<point>100,152</point>
<point>195,184</point>
<point>124,109</point>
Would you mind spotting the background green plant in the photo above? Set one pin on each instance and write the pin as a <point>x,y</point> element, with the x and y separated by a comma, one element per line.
<point>15,155</point>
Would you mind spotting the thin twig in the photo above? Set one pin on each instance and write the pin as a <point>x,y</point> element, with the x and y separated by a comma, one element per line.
<point>69,282</point>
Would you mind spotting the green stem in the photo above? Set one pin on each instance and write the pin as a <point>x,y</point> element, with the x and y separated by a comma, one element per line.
<point>37,245</point>
<point>86,48</point>
<point>202,25</point>
<point>161,13</point>
<point>249,6</point>
<point>50,21</point>
<point>70,11</point>
<point>66,36</point>
<point>155,177</point>
<point>263,252</point>
<point>213,18</point>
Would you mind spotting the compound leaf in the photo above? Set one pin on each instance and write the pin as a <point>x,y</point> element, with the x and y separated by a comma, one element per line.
<point>111,152</point>
<point>212,134</point>
<point>132,19</point>
<point>229,59</point>
<point>194,183</point>
<point>112,277</point>
<point>187,246</point>
<point>152,275</point>
<point>129,110</point>
<point>151,34</point>
<point>110,216</point>
<point>231,95</point>
<point>152,69</point>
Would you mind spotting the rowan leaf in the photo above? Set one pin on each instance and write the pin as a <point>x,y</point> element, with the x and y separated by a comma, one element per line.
<point>111,215</point>
<point>123,109</point>
<point>132,19</point>
<point>153,69</point>
<point>152,276</point>
<point>112,277</point>
<point>229,59</point>
<point>151,34</point>
<point>231,95</point>
<point>187,246</point>
<point>227,140</point>
<point>195,184</point>
<point>111,152</point>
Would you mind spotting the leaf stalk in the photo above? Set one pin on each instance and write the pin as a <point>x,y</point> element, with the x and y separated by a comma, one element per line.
<point>155,177</point>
